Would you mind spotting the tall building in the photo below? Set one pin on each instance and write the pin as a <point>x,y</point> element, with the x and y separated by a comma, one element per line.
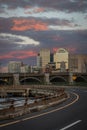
<point>61,58</point>
<point>78,63</point>
<point>38,61</point>
<point>14,66</point>
<point>44,57</point>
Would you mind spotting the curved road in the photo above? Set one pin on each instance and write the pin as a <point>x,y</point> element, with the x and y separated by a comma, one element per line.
<point>70,115</point>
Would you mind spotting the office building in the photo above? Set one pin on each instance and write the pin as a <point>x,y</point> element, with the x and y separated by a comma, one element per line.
<point>39,61</point>
<point>14,66</point>
<point>78,63</point>
<point>25,69</point>
<point>43,58</point>
<point>61,58</point>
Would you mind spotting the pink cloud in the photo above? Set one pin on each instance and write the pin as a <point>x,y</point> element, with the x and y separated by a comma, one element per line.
<point>55,49</point>
<point>18,55</point>
<point>24,24</point>
<point>6,56</point>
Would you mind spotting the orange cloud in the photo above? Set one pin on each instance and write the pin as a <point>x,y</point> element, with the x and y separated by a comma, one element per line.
<point>18,55</point>
<point>24,24</point>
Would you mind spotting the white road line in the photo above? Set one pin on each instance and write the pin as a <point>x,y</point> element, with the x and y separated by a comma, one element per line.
<point>68,126</point>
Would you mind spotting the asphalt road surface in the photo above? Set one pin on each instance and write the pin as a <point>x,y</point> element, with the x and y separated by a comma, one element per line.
<point>70,115</point>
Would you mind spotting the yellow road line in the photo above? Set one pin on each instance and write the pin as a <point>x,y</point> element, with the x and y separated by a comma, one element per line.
<point>14,122</point>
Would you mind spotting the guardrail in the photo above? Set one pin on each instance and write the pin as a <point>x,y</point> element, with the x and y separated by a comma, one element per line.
<point>12,108</point>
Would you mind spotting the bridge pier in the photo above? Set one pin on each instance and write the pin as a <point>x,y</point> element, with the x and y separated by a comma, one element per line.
<point>47,81</point>
<point>16,79</point>
<point>71,78</point>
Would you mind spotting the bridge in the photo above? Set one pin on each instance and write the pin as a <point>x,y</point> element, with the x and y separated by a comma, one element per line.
<point>42,78</point>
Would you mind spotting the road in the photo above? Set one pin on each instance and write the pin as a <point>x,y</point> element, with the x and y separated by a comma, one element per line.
<point>70,115</point>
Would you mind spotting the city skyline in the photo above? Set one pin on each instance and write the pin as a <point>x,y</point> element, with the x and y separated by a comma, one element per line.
<point>28,26</point>
<point>61,60</point>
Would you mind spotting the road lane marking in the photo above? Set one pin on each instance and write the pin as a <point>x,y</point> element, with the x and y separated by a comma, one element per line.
<point>70,125</point>
<point>45,113</point>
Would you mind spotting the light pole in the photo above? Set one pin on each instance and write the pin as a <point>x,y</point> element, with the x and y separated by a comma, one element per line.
<point>70,72</point>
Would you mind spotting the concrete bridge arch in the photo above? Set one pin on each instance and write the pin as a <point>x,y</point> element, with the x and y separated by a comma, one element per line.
<point>3,82</point>
<point>80,79</point>
<point>30,80</point>
<point>58,79</point>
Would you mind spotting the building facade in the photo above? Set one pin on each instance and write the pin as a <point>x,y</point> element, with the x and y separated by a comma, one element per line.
<point>43,58</point>
<point>39,61</point>
<point>61,59</point>
<point>25,69</point>
<point>78,63</point>
<point>14,66</point>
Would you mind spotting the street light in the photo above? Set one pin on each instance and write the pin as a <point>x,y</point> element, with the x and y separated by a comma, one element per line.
<point>70,75</point>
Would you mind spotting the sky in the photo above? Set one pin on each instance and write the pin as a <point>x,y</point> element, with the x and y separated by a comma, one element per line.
<point>26,26</point>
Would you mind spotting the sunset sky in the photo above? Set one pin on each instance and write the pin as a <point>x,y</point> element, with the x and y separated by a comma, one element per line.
<point>26,26</point>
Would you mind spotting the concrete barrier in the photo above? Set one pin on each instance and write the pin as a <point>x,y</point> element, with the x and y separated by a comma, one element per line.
<point>46,101</point>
